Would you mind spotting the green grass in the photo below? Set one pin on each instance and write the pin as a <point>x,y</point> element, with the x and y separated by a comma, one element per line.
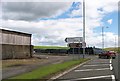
<point>50,47</point>
<point>48,70</point>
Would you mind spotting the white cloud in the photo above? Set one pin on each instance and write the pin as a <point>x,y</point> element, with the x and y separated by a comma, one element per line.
<point>97,8</point>
<point>47,31</point>
<point>53,32</point>
<point>110,39</point>
<point>32,10</point>
<point>110,21</point>
<point>50,30</point>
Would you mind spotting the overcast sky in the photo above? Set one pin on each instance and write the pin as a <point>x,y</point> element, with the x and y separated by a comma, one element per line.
<point>51,22</point>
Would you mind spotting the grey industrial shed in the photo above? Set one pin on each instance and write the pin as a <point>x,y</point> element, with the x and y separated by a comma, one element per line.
<point>15,44</point>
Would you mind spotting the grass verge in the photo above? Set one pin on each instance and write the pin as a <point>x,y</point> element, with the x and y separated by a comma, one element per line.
<point>20,62</point>
<point>48,70</point>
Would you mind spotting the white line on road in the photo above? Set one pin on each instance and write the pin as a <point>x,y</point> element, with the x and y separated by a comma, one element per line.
<point>113,77</point>
<point>110,61</point>
<point>111,68</point>
<point>92,69</point>
<point>97,77</point>
<point>65,72</point>
<point>96,65</point>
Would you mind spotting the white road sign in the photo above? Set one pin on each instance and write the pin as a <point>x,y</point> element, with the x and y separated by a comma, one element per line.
<point>74,39</point>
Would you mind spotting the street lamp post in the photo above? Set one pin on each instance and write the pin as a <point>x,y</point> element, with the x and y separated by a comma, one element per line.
<point>103,37</point>
<point>115,43</point>
<point>84,28</point>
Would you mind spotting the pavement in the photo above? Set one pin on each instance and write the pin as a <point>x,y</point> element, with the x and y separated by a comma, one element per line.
<point>94,70</point>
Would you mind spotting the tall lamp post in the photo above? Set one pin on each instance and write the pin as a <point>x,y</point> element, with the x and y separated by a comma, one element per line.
<point>83,29</point>
<point>103,37</point>
<point>115,43</point>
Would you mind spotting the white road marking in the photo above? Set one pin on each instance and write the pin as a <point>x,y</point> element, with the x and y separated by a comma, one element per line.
<point>111,67</point>
<point>113,77</point>
<point>92,69</point>
<point>65,72</point>
<point>97,77</point>
<point>110,61</point>
<point>96,65</point>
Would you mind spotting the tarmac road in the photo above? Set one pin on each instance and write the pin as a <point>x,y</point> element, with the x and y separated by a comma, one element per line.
<point>116,67</point>
<point>95,70</point>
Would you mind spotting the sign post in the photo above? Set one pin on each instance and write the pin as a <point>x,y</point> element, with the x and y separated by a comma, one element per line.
<point>83,46</point>
<point>73,53</point>
<point>74,42</point>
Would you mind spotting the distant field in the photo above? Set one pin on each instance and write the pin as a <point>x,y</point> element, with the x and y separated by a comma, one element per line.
<point>113,49</point>
<point>50,47</point>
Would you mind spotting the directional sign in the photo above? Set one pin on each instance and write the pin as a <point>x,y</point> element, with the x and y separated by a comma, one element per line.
<point>74,39</point>
<point>75,45</point>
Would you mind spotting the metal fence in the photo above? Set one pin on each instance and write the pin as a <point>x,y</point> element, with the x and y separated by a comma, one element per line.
<point>70,51</point>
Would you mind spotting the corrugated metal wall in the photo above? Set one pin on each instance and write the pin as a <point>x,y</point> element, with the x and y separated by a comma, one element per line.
<point>16,51</point>
<point>15,45</point>
<point>15,39</point>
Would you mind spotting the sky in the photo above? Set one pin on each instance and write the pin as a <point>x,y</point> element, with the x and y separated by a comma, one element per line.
<point>51,22</point>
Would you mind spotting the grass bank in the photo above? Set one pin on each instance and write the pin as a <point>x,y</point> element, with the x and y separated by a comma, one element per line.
<point>42,72</point>
<point>50,47</point>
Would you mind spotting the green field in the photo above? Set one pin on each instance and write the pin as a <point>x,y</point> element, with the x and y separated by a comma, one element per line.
<point>50,47</point>
<point>45,71</point>
<point>113,49</point>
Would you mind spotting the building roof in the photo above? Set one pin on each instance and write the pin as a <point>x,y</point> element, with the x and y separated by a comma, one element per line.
<point>4,30</point>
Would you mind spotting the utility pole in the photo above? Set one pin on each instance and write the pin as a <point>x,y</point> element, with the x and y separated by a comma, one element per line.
<point>102,37</point>
<point>84,28</point>
<point>115,43</point>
